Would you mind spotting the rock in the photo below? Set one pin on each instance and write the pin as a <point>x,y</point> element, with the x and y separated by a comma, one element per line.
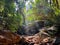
<point>8,38</point>
<point>36,44</point>
<point>57,41</point>
<point>21,30</point>
<point>30,29</point>
<point>35,39</point>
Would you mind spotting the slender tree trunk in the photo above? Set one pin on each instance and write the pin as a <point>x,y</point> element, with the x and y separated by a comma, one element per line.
<point>57,4</point>
<point>50,2</point>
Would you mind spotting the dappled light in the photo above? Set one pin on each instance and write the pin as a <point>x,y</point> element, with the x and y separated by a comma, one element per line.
<point>29,22</point>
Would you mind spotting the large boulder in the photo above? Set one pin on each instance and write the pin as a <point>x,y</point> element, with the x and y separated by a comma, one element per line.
<point>31,28</point>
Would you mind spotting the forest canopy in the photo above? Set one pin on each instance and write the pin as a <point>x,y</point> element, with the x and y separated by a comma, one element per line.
<point>14,13</point>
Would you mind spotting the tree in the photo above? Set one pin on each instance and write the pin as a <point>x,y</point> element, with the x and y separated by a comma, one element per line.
<point>9,18</point>
<point>20,6</point>
<point>54,13</point>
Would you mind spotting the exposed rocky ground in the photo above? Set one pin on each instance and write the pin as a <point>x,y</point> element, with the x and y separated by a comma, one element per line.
<point>32,35</point>
<point>41,38</point>
<point>8,38</point>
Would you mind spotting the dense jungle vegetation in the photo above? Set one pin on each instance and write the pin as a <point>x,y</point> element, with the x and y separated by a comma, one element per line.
<point>15,13</point>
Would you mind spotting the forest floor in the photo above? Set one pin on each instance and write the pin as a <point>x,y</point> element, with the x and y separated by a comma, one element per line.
<point>9,38</point>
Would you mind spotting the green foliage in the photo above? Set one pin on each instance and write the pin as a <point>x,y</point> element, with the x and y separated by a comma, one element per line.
<point>55,13</point>
<point>9,17</point>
